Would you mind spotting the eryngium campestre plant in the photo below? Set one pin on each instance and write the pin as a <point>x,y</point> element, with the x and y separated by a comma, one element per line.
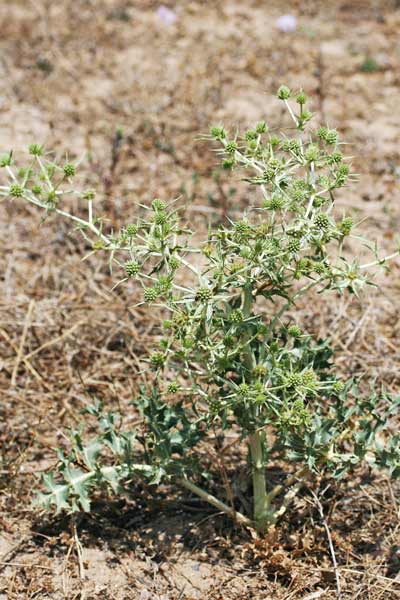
<point>231,357</point>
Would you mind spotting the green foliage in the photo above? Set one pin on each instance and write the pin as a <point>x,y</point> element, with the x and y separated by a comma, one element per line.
<point>369,65</point>
<point>231,353</point>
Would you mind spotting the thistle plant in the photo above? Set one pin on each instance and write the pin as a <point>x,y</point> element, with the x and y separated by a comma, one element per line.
<point>232,356</point>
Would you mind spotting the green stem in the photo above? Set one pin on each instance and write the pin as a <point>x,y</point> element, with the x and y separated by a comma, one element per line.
<point>380,261</point>
<point>218,504</point>
<point>63,213</point>
<point>261,505</point>
<point>247,303</point>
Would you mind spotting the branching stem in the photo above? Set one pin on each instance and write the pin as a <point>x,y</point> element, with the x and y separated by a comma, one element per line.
<point>218,504</point>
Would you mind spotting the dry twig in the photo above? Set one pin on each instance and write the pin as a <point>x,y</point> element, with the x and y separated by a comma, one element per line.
<point>22,342</point>
<point>330,542</point>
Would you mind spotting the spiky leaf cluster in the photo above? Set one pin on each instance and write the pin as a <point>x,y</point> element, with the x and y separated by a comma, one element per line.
<point>229,347</point>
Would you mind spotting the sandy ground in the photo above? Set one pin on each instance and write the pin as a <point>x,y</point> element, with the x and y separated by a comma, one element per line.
<point>73,75</point>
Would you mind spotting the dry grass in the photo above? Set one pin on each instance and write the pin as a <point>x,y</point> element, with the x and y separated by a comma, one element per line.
<point>73,72</point>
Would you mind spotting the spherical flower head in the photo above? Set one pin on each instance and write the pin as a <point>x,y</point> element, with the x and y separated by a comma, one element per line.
<point>231,147</point>
<point>334,158</point>
<point>319,268</point>
<point>158,204</point>
<point>343,170</point>
<point>294,246</point>
<point>173,387</point>
<point>214,406</point>
<point>294,331</point>
<point>298,195</point>
<point>35,150</point>
<point>203,294</point>
<point>23,172</point>
<point>228,164</point>
<point>132,268</point>
<point>150,294</point>
<point>180,319</point>
<point>36,189</point>
<point>69,170</point>
<point>331,137</point>
<point>5,160</point>
<point>304,265</point>
<point>322,133</point>
<point>252,146</point>
<point>284,92</point>
<point>274,164</point>
<point>294,146</point>
<point>174,263</point>
<point>338,387</point>
<point>309,378</point>
<point>163,283</point>
<point>132,229</point>
<point>236,316</point>
<point>51,198</point>
<point>16,190</point>
<point>157,360</point>
<point>243,389</point>
<point>300,416</point>
<point>269,174</point>
<point>228,341</point>
<point>251,134</point>
<point>242,228</point>
<point>312,153</point>
<point>346,226</point>
<point>261,127</point>
<point>301,98</point>
<point>260,371</point>
<point>322,221</point>
<point>274,203</point>
<point>294,380</point>
<point>218,133</point>
<point>274,141</point>
<point>342,174</point>
<point>160,218</point>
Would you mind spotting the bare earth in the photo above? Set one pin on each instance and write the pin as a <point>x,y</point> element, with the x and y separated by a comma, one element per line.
<point>73,73</point>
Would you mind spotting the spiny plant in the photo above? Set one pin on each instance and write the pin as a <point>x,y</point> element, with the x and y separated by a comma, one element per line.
<point>231,355</point>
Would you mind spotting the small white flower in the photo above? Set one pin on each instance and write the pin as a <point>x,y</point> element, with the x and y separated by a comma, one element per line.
<point>287,23</point>
<point>166,15</point>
